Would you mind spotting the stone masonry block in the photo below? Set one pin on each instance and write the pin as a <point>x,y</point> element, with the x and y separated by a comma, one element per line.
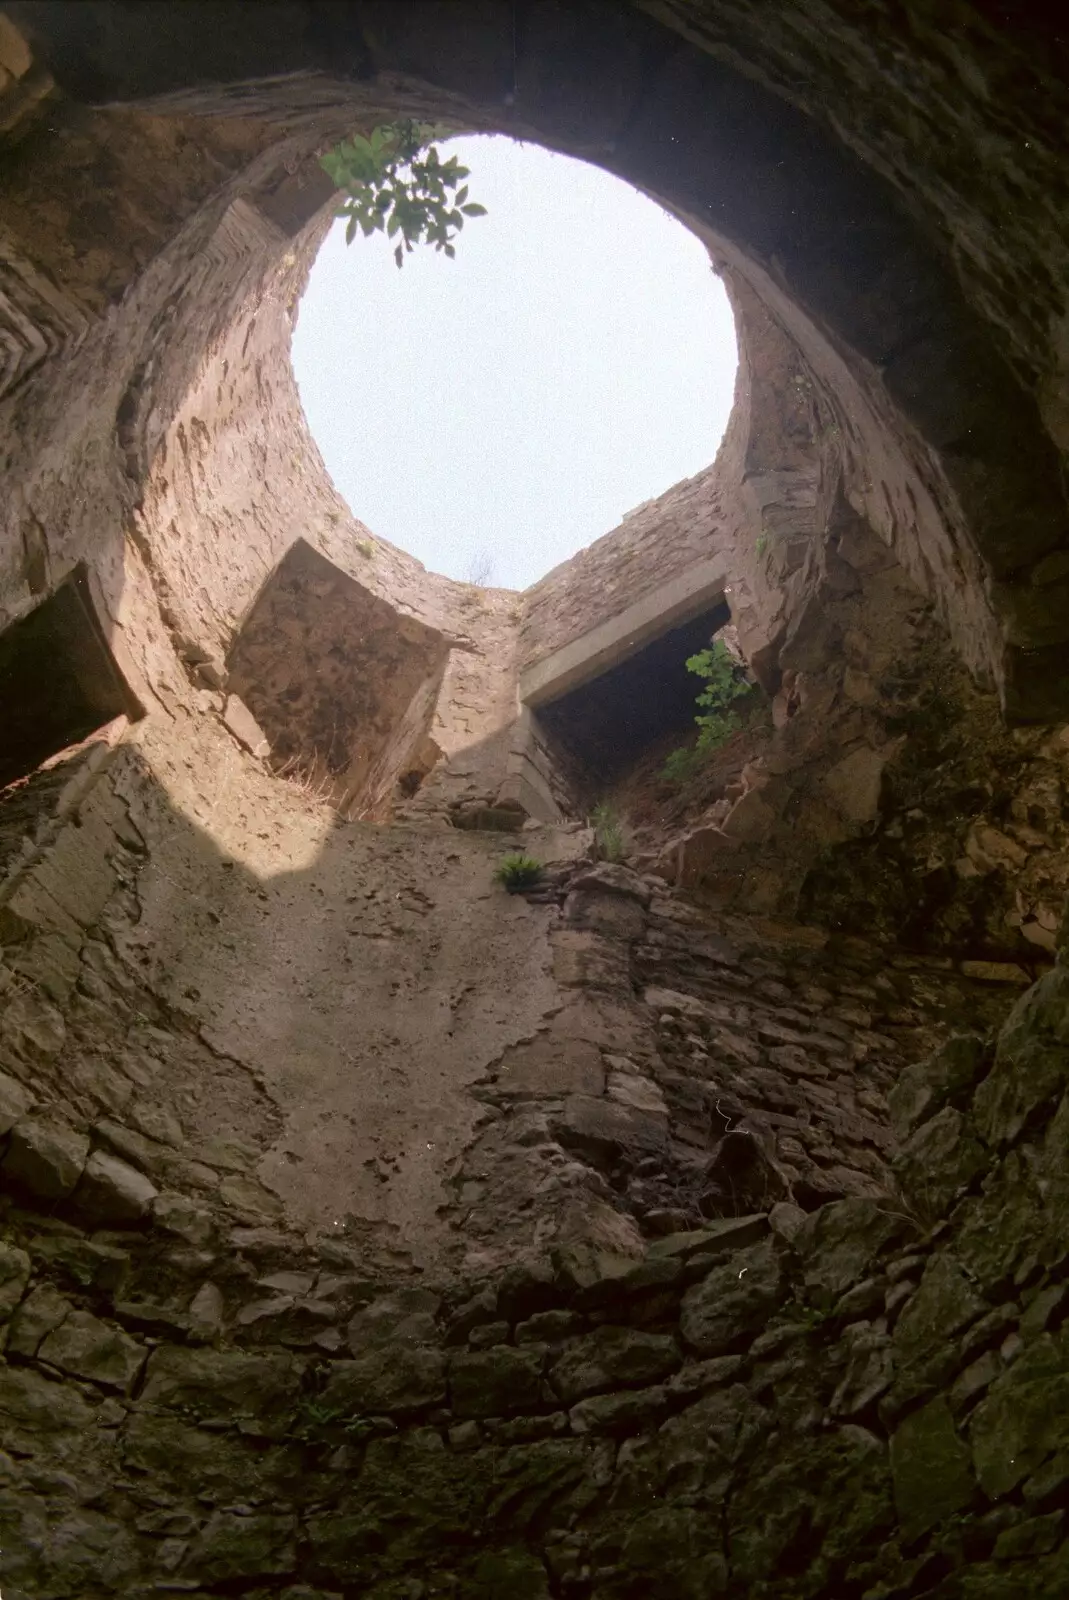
<point>112,1192</point>
<point>45,1158</point>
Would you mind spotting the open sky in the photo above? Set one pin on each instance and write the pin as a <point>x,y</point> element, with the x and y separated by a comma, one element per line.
<point>495,413</point>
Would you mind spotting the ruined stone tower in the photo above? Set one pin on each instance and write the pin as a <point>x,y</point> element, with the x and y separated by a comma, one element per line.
<point>696,1224</point>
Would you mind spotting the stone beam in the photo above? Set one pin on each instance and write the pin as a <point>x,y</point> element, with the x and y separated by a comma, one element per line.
<point>680,600</point>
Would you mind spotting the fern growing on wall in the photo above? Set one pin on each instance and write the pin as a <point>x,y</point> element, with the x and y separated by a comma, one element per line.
<point>518,872</point>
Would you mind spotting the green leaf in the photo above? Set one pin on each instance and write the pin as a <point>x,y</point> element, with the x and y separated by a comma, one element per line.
<point>396,182</point>
<point>399,256</point>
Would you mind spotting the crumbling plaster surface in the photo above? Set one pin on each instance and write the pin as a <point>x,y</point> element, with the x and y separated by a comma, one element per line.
<point>328,973</point>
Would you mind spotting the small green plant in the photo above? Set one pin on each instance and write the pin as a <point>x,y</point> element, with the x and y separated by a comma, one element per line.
<point>518,872</point>
<point>314,1414</point>
<point>366,548</point>
<point>811,1318</point>
<point>717,720</point>
<point>682,764</point>
<point>395,182</point>
<point>608,834</point>
<point>725,682</point>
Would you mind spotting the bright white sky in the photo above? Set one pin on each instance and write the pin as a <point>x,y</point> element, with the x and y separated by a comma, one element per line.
<point>508,407</point>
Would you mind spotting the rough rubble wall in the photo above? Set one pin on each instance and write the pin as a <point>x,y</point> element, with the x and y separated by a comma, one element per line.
<point>222,906</point>
<point>702,1067</point>
<point>882,793</point>
<point>327,1007</point>
<point>861,1400</point>
<point>676,1253</point>
<point>967,855</point>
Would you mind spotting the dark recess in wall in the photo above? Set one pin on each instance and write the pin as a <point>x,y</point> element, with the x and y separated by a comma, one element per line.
<point>59,681</point>
<point>606,725</point>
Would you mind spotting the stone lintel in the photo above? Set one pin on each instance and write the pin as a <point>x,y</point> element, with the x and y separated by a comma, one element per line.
<point>670,604</point>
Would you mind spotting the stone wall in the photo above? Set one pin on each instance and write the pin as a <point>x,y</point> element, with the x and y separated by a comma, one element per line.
<point>864,1397</point>
<point>882,311</point>
<point>205,951</point>
<point>879,792</point>
<point>366,1230</point>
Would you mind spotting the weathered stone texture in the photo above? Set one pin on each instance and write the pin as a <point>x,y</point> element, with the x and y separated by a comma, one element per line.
<point>574,1403</point>
<point>364,1229</point>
